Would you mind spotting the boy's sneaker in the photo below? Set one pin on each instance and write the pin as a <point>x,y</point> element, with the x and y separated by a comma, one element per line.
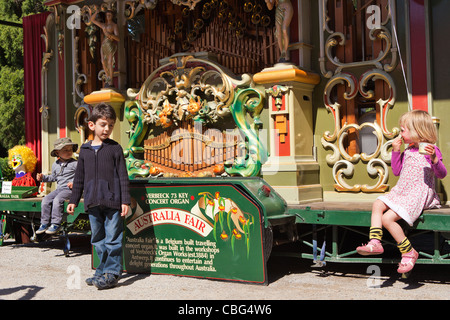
<point>107,281</point>
<point>54,228</point>
<point>373,247</point>
<point>42,228</point>
<point>90,281</point>
<point>408,261</point>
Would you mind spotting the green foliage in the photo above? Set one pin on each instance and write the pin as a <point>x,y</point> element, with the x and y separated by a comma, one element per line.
<point>10,10</point>
<point>11,47</point>
<point>11,38</point>
<point>14,10</point>
<point>32,7</point>
<point>12,123</point>
<point>7,172</point>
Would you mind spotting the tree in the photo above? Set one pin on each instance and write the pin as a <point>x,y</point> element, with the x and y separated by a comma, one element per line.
<point>12,123</point>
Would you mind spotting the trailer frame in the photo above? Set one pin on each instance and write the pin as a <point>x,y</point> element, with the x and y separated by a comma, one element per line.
<point>344,218</point>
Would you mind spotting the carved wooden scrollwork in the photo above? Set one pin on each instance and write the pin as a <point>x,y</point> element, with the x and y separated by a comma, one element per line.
<point>182,103</point>
<point>345,84</point>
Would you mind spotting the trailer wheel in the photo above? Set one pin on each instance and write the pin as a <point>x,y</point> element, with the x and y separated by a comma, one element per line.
<point>268,242</point>
<point>22,232</point>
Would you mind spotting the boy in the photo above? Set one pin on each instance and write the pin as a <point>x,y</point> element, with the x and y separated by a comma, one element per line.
<point>102,174</point>
<point>63,171</point>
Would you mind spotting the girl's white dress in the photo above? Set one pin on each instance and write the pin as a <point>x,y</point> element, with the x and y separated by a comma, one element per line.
<point>415,189</point>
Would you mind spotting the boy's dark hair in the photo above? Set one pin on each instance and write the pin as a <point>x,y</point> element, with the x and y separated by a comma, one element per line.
<point>102,110</point>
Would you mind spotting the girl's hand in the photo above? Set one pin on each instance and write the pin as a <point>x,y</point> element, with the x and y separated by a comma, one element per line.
<point>39,176</point>
<point>397,144</point>
<point>431,151</point>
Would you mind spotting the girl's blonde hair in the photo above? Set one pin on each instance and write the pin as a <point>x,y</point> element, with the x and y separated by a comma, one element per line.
<point>420,126</point>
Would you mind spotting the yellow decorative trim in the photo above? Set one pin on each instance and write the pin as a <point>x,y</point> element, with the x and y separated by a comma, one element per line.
<point>97,97</point>
<point>291,74</point>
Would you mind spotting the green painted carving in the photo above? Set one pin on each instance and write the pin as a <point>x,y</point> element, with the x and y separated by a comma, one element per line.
<point>248,101</point>
<point>187,88</point>
<point>136,167</point>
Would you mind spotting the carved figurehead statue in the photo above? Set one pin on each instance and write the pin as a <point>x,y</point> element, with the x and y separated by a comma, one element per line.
<point>109,43</point>
<point>283,17</point>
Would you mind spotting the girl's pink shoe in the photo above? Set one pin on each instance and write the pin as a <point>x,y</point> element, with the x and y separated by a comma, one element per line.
<point>408,261</point>
<point>373,247</point>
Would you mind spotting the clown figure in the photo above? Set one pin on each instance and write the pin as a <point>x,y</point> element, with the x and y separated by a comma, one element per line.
<point>23,161</point>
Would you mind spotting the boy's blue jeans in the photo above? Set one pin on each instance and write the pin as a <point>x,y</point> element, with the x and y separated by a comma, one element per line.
<point>107,231</point>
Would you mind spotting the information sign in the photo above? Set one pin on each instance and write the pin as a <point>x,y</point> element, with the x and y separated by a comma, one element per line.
<point>203,230</point>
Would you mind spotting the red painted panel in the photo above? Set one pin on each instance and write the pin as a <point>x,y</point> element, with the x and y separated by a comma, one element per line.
<point>62,98</point>
<point>284,149</point>
<point>419,87</point>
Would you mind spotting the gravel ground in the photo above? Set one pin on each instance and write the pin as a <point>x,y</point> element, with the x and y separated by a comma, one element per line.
<point>42,272</point>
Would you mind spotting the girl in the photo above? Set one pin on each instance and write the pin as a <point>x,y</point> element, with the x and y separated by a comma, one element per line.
<point>415,189</point>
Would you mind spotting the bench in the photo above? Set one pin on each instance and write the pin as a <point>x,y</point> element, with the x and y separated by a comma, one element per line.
<point>25,214</point>
<point>349,222</point>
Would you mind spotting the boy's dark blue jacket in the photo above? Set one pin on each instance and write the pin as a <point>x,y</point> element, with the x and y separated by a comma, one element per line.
<point>102,175</point>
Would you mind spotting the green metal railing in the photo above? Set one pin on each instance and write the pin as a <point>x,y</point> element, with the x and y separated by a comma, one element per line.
<point>355,224</point>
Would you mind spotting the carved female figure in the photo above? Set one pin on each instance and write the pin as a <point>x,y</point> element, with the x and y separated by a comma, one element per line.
<point>109,44</point>
<point>283,17</point>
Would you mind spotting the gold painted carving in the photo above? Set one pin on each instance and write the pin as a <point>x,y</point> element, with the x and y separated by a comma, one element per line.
<point>132,7</point>
<point>47,57</point>
<point>171,95</point>
<point>277,92</point>
<point>188,3</point>
<point>343,74</point>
